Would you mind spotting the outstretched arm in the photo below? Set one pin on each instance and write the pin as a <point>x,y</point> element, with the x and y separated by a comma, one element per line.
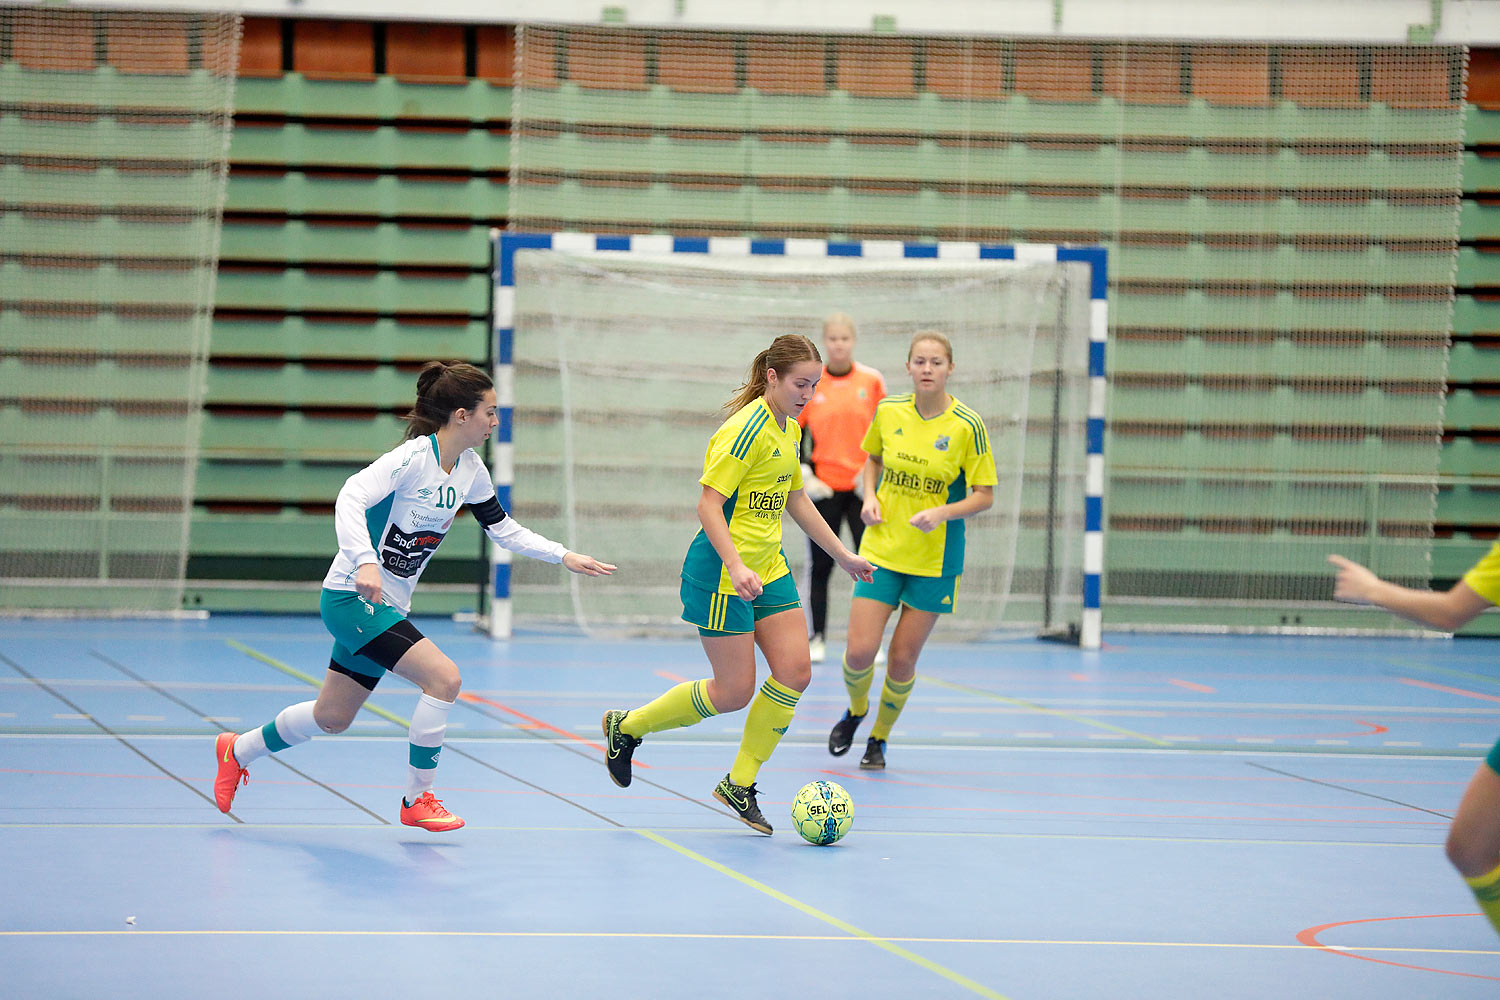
<point>1448,610</point>
<point>505,532</point>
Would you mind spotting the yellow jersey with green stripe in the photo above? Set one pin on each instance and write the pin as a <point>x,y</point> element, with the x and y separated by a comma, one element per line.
<point>928,463</point>
<point>752,460</point>
<point>1484,577</point>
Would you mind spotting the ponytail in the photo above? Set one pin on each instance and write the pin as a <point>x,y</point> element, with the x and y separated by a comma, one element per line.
<point>441,389</point>
<point>785,351</point>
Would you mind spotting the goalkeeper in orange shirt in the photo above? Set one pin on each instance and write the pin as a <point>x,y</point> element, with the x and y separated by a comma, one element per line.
<point>834,424</point>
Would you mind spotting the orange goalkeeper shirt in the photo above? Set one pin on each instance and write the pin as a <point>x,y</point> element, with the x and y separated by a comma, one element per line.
<point>837,419</point>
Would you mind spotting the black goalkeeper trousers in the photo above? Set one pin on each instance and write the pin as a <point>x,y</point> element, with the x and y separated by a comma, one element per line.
<point>842,506</point>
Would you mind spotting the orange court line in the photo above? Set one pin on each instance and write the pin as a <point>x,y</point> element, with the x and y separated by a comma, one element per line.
<point>1191,686</point>
<point>1447,690</point>
<point>535,723</point>
<point>1309,937</point>
<point>668,675</point>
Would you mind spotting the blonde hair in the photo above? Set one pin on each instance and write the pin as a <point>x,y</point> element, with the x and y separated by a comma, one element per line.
<point>936,338</point>
<point>840,319</point>
<point>785,351</point>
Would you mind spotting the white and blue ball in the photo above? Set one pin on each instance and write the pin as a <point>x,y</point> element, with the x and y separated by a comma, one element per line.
<point>822,812</point>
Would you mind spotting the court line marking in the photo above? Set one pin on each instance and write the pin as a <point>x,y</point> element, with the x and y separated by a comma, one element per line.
<point>781,897</point>
<point>1165,705</point>
<point>406,724</point>
<point>107,731</point>
<point>1433,668</point>
<point>292,671</point>
<point>178,701</point>
<point>1447,690</point>
<point>536,723</point>
<point>1425,846</point>
<point>1343,788</point>
<point>1000,745</point>
<point>1033,706</point>
<point>671,936</point>
<point>1309,937</point>
<point>885,944</point>
<point>1191,685</point>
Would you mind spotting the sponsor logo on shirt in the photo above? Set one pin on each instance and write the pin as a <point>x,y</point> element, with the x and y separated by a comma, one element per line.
<point>909,483</point>
<point>404,554</point>
<point>425,519</point>
<point>768,501</point>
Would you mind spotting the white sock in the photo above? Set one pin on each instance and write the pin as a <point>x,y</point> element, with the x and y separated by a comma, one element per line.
<point>292,725</point>
<point>429,724</point>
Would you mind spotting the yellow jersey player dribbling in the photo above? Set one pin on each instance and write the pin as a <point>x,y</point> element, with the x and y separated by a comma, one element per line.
<point>930,466</point>
<point>735,583</point>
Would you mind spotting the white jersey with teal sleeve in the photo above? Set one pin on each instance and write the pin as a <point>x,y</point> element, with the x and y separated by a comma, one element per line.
<point>395,511</point>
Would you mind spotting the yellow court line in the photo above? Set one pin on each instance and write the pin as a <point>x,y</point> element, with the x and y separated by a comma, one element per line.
<point>1033,706</point>
<point>884,944</point>
<point>309,679</point>
<point>669,936</point>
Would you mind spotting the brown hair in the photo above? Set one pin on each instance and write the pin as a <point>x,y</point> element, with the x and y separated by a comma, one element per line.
<point>936,338</point>
<point>785,351</point>
<point>441,389</point>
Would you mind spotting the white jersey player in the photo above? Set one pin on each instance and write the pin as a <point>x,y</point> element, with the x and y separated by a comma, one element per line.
<point>390,517</point>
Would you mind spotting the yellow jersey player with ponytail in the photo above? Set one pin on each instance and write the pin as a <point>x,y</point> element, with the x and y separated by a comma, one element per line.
<point>736,586</point>
<point>930,466</point>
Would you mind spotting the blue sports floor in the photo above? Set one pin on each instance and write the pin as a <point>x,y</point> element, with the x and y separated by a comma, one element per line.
<point>1175,817</point>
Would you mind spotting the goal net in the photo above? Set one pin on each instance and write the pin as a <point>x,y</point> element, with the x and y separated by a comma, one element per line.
<point>624,361</point>
<point>114,135</point>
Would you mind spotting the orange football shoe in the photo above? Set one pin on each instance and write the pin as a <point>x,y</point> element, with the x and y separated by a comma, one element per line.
<point>231,776</point>
<point>429,814</point>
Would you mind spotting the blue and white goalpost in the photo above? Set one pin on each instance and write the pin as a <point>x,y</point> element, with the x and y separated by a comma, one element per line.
<point>507,245</point>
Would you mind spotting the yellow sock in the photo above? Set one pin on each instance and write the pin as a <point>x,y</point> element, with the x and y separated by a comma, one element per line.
<point>857,682</point>
<point>1486,889</point>
<point>684,705</point>
<point>770,715</point>
<point>892,700</point>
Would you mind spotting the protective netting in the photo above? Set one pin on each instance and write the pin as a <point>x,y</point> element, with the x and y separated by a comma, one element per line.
<point>114,135</point>
<point>1282,222</point>
<point>624,361</point>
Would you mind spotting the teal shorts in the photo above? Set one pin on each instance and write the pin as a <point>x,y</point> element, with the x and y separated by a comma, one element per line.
<point>730,614</point>
<point>924,593</point>
<point>354,623</point>
<point>1493,760</point>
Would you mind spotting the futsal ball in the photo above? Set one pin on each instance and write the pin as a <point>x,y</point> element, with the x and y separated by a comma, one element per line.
<point>822,812</point>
